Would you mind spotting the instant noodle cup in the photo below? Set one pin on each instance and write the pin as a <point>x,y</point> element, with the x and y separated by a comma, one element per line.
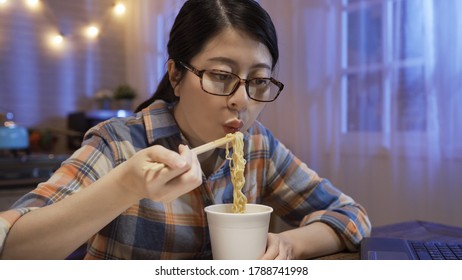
<point>238,236</point>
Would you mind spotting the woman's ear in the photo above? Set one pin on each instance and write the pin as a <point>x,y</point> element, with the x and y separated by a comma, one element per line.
<point>174,75</point>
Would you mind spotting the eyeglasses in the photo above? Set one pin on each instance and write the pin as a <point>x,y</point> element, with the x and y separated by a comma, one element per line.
<point>222,83</point>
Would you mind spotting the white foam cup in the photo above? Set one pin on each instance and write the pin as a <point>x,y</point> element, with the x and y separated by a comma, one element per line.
<point>238,236</point>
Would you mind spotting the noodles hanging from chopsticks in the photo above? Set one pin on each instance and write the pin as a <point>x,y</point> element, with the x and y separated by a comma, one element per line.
<point>237,166</point>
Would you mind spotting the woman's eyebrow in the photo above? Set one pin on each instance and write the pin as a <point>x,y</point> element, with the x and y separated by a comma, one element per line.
<point>235,64</point>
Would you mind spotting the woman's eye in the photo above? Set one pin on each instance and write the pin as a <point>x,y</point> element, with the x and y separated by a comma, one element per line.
<point>221,76</point>
<point>260,82</point>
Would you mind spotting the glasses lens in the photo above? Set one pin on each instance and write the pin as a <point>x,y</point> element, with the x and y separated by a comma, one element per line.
<point>263,89</point>
<point>224,83</point>
<point>218,82</point>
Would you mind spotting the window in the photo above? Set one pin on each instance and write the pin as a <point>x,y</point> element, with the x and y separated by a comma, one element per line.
<point>384,69</point>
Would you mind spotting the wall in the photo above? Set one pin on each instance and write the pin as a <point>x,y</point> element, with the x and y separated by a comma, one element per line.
<point>40,82</point>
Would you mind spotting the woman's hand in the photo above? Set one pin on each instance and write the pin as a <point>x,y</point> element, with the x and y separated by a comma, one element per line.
<point>181,174</point>
<point>278,248</point>
<point>306,242</point>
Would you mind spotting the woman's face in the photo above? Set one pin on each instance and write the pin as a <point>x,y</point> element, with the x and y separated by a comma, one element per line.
<point>203,117</point>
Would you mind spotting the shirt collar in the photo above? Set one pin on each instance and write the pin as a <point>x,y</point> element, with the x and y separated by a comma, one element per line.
<point>159,121</point>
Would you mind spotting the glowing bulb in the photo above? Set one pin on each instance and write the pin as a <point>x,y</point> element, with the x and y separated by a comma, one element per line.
<point>92,31</point>
<point>3,2</point>
<point>58,39</point>
<point>119,9</point>
<point>33,3</point>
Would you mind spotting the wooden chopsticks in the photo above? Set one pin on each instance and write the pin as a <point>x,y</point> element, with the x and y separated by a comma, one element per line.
<point>156,166</point>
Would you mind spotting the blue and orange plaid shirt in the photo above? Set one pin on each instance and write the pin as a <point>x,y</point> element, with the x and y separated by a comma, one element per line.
<point>178,230</point>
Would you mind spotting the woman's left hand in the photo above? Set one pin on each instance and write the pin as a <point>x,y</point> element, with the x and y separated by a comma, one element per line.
<point>278,248</point>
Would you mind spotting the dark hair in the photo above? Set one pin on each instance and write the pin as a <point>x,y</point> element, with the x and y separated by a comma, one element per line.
<point>199,20</point>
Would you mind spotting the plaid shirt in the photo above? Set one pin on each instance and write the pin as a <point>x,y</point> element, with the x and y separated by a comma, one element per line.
<point>178,230</point>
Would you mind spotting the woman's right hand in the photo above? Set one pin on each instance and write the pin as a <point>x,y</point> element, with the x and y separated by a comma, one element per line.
<point>181,174</point>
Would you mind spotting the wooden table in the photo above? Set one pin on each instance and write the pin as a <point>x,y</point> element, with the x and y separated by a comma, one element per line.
<point>414,230</point>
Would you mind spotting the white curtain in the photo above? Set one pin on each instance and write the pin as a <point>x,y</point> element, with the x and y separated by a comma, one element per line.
<point>147,34</point>
<point>386,131</point>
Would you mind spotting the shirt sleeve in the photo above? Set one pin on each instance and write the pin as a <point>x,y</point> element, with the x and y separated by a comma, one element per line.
<point>302,197</point>
<point>84,167</point>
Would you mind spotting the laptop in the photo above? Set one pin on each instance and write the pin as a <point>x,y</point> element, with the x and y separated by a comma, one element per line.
<point>381,248</point>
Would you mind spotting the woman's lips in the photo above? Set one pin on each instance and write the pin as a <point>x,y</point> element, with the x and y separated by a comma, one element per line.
<point>228,129</point>
<point>233,126</point>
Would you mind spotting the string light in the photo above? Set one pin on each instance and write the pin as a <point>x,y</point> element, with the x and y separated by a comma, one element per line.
<point>92,31</point>
<point>33,3</point>
<point>58,39</point>
<point>119,8</point>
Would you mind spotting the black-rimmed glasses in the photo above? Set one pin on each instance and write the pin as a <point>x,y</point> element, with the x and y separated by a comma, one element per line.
<point>222,83</point>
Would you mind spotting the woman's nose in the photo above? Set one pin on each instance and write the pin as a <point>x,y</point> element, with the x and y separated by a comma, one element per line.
<point>239,99</point>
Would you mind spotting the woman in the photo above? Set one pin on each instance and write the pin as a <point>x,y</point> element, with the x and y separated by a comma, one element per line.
<point>222,54</point>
